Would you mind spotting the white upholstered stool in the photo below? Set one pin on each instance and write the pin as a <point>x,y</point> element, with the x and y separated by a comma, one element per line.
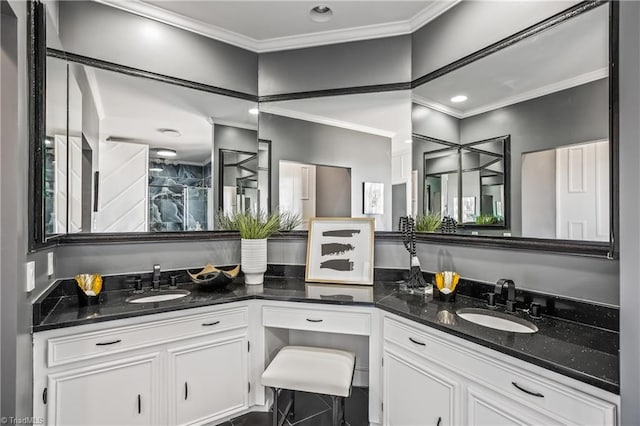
<point>315,370</point>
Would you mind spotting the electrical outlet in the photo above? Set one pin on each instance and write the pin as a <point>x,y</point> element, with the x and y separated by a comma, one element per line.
<point>30,278</point>
<point>50,264</point>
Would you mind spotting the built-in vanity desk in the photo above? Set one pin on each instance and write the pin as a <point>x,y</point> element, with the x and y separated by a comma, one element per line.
<point>199,359</point>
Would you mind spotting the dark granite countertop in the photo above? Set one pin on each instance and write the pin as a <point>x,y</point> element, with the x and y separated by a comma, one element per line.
<point>582,351</point>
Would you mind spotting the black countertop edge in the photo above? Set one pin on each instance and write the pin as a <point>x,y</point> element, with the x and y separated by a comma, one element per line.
<point>565,371</point>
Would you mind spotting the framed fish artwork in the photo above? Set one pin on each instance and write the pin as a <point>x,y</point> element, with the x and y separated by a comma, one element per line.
<point>340,250</point>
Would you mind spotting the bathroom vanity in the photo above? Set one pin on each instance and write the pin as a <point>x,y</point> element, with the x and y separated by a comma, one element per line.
<point>199,359</point>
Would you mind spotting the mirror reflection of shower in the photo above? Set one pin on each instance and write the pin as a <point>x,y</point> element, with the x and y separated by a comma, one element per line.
<point>311,190</point>
<point>180,196</point>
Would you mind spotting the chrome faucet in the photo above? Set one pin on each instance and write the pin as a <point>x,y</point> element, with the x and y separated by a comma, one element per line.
<point>156,277</point>
<point>511,292</point>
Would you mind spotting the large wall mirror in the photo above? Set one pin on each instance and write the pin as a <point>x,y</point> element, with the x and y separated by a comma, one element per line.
<point>340,156</point>
<point>130,154</point>
<point>517,143</point>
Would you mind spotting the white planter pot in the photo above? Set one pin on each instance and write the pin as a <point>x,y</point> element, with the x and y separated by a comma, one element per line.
<point>253,260</point>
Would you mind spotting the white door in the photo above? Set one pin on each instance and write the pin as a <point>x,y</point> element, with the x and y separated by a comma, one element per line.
<point>75,184</point>
<point>118,393</point>
<point>582,192</point>
<point>417,395</point>
<point>123,189</point>
<point>208,381</point>
<point>60,185</point>
<point>487,408</point>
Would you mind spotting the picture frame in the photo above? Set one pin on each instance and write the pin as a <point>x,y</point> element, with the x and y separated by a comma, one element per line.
<point>373,198</point>
<point>340,250</point>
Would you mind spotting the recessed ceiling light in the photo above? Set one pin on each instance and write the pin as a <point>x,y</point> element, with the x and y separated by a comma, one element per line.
<point>166,152</point>
<point>459,98</point>
<point>170,132</point>
<point>408,141</point>
<point>321,13</point>
<point>254,111</point>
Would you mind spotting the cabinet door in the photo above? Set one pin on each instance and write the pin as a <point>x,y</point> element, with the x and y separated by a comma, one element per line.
<point>487,408</point>
<point>415,394</point>
<point>208,380</point>
<point>118,393</point>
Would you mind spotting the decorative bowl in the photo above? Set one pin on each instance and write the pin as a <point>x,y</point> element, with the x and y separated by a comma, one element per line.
<point>214,277</point>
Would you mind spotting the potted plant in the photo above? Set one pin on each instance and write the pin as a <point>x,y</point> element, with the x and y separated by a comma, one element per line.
<point>254,230</point>
<point>428,223</point>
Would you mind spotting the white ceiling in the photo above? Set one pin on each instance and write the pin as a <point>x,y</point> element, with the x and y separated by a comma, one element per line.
<point>385,114</point>
<point>133,109</point>
<point>572,53</point>
<point>263,26</point>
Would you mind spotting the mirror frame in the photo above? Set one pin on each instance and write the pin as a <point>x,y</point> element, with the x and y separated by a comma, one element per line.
<point>38,52</point>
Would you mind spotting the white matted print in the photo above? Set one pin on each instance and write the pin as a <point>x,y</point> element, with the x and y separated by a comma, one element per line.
<point>340,250</point>
<point>373,198</point>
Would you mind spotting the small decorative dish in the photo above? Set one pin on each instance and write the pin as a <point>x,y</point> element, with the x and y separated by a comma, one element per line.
<point>214,277</point>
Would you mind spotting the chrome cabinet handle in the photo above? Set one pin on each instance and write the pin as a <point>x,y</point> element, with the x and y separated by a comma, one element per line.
<point>417,342</point>
<point>108,343</point>
<point>520,388</point>
<point>209,324</point>
<point>314,320</point>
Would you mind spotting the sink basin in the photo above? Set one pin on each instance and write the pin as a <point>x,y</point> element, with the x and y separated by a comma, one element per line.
<point>161,296</point>
<point>497,320</point>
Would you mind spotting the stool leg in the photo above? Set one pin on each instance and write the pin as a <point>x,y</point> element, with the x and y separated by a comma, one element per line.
<point>342,401</point>
<point>275,406</point>
<point>335,411</point>
<point>292,410</point>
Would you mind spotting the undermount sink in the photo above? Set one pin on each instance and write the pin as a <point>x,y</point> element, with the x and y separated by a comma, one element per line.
<point>497,320</point>
<point>161,296</point>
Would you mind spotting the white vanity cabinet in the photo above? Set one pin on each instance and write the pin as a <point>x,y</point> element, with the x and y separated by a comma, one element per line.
<point>122,392</point>
<point>185,367</point>
<point>431,377</point>
<point>208,380</point>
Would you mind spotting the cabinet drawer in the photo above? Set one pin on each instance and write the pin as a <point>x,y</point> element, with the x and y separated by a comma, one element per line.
<point>495,371</point>
<point>77,347</point>
<point>317,320</point>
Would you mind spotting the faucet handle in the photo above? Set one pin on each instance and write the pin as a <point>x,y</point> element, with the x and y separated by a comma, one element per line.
<point>491,300</point>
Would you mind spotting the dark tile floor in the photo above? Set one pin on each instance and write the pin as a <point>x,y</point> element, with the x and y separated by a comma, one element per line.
<point>312,410</point>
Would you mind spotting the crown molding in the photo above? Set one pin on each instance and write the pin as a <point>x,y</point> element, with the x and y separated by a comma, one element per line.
<point>430,13</point>
<point>368,32</point>
<point>532,94</point>
<point>271,109</point>
<point>417,99</point>
<point>159,14</point>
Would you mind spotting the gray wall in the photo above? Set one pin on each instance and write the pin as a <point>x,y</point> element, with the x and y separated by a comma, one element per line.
<point>333,198</point>
<point>629,212</point>
<point>539,194</point>
<point>95,30</point>
<point>471,26</point>
<point>569,276</point>
<point>15,308</point>
<point>358,63</point>
<point>579,114</point>
<point>368,156</point>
